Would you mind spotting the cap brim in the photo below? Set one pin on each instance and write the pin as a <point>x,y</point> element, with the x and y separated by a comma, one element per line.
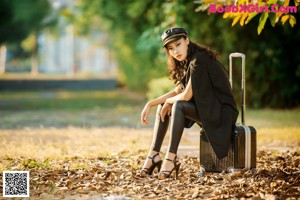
<point>173,38</point>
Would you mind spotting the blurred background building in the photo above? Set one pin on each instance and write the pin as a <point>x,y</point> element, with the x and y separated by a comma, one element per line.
<point>50,43</point>
<point>70,54</point>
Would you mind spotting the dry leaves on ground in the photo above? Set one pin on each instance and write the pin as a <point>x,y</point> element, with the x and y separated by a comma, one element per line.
<point>277,177</point>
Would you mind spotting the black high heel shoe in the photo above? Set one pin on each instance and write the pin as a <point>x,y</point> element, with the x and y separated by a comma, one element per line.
<point>150,170</point>
<point>167,174</point>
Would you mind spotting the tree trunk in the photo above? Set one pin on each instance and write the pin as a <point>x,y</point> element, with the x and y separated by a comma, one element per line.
<point>3,51</point>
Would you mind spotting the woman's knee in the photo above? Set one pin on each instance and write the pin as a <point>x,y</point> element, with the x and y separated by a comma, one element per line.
<point>178,105</point>
<point>159,107</point>
<point>158,110</point>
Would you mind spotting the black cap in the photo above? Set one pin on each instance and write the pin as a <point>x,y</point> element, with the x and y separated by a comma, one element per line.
<point>172,34</point>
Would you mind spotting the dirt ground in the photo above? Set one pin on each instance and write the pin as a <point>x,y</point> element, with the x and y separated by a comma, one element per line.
<point>101,163</point>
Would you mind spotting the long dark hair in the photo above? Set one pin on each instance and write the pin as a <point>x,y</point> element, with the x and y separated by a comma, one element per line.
<point>177,68</point>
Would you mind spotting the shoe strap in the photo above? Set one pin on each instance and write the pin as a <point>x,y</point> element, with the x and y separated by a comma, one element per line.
<point>174,160</point>
<point>153,157</point>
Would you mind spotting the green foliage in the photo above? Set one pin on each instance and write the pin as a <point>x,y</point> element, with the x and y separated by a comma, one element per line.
<point>29,44</point>
<point>135,27</point>
<point>273,63</point>
<point>19,18</point>
<point>262,20</point>
<point>243,11</point>
<point>134,35</point>
<point>158,87</point>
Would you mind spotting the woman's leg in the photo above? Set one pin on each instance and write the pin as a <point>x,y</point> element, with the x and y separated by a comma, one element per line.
<point>180,111</point>
<point>159,132</point>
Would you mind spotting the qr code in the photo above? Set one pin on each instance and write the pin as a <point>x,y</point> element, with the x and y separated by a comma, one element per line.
<point>15,183</point>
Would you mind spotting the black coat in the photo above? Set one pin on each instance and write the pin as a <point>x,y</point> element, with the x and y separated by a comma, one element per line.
<point>214,101</point>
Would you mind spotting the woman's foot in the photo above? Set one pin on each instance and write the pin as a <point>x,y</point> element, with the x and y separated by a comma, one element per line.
<point>154,160</point>
<point>170,164</point>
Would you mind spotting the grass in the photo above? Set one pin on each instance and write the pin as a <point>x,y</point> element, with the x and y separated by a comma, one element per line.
<point>43,76</point>
<point>276,128</point>
<point>69,108</point>
<point>272,118</point>
<point>119,101</point>
<point>68,100</point>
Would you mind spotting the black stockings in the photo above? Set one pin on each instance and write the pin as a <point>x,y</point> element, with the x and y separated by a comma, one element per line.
<point>180,111</point>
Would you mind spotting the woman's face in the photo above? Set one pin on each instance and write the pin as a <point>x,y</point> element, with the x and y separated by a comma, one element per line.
<point>178,49</point>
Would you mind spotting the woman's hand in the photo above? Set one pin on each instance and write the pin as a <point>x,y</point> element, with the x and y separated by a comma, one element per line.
<point>166,109</point>
<point>145,113</point>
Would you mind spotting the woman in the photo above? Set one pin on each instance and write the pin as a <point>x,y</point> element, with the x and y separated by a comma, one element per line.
<point>202,95</point>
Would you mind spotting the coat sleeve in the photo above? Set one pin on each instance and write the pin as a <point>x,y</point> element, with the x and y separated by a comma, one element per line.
<point>214,101</point>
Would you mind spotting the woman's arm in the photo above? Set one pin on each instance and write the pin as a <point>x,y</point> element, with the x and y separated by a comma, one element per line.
<point>163,98</point>
<point>157,101</point>
<point>186,95</point>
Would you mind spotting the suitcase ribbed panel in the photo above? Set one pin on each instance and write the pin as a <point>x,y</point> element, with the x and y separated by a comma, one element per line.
<point>208,158</point>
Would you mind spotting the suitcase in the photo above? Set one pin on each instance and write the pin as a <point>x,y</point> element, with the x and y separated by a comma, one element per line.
<point>242,150</point>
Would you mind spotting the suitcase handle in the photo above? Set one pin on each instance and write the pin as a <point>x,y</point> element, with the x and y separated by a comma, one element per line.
<point>243,83</point>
